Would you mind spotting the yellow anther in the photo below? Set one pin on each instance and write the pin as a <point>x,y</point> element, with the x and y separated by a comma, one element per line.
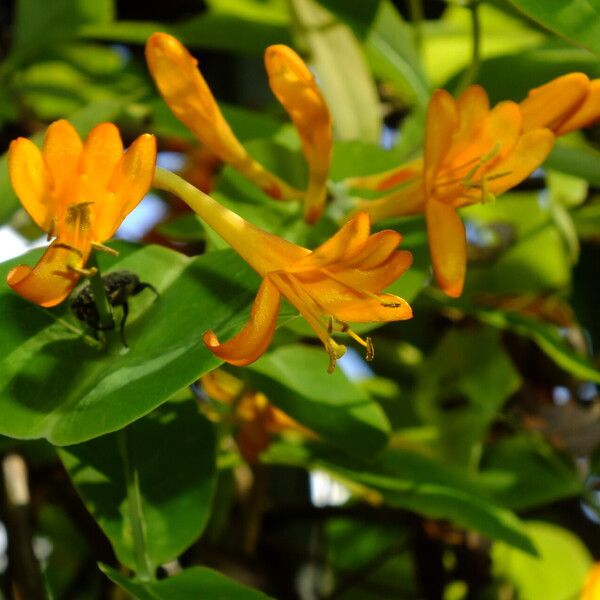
<point>83,272</point>
<point>370,350</point>
<point>102,248</point>
<point>335,351</point>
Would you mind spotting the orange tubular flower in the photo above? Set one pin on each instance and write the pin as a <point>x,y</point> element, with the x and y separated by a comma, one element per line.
<point>182,86</point>
<point>472,153</point>
<point>186,92</point>
<point>340,281</point>
<point>296,89</point>
<point>79,193</point>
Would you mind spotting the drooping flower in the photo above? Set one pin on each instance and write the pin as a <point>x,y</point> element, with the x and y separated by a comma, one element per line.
<point>184,89</point>
<point>339,282</point>
<point>79,193</point>
<point>255,419</point>
<point>472,154</point>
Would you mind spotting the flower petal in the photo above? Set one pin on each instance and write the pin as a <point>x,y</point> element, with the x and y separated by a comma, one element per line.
<point>50,281</point>
<point>345,243</point>
<point>448,246</point>
<point>62,151</point>
<point>409,200</point>
<point>550,104</point>
<point>129,183</point>
<point>30,180</point>
<point>102,151</point>
<point>253,340</point>
<point>388,179</point>
<point>383,309</point>
<point>530,152</point>
<point>586,114</point>
<point>441,124</point>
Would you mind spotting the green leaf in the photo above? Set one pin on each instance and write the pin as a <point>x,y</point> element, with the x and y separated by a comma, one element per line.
<point>578,21</point>
<point>175,440</point>
<point>53,385</point>
<point>393,57</point>
<point>40,25</point>
<point>83,120</point>
<point>587,220</point>
<point>461,388</point>
<point>558,573</point>
<point>410,477</point>
<point>295,379</point>
<point>583,162</point>
<point>341,71</point>
<point>524,472</point>
<point>196,582</point>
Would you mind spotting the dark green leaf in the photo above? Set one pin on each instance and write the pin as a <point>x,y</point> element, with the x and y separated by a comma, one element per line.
<point>578,21</point>
<point>582,162</point>
<point>53,385</point>
<point>173,453</point>
<point>197,582</point>
<point>295,379</point>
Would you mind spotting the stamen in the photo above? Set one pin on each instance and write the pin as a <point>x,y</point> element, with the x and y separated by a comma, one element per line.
<point>83,272</point>
<point>366,343</point>
<point>335,352</point>
<point>102,248</point>
<point>69,247</point>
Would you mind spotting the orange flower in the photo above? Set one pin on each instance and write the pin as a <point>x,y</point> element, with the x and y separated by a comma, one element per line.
<point>472,154</point>
<point>591,588</point>
<point>564,104</point>
<point>296,89</point>
<point>340,281</point>
<point>185,91</point>
<point>256,419</point>
<point>79,193</point>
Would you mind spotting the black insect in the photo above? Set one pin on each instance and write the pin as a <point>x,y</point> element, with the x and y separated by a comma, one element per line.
<point>119,287</point>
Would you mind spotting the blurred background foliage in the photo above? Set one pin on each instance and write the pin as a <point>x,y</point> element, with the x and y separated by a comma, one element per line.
<point>462,464</point>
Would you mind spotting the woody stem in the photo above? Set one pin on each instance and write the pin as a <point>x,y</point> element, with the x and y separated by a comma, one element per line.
<point>105,314</point>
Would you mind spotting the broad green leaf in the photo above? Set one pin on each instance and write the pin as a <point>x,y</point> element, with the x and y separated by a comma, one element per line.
<point>83,120</point>
<point>196,582</point>
<point>524,472</point>
<point>587,220</point>
<point>461,388</point>
<point>341,72</point>
<point>174,441</point>
<point>393,57</point>
<point>40,25</point>
<point>53,385</point>
<point>410,477</point>
<point>557,574</point>
<point>295,379</point>
<point>578,21</point>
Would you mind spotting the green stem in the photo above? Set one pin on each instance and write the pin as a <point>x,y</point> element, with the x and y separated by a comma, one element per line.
<point>143,569</point>
<point>104,310</point>
<point>415,9</point>
<point>471,73</point>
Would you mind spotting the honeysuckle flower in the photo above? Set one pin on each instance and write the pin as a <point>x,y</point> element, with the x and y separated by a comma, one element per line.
<point>296,89</point>
<point>186,92</point>
<point>472,154</point>
<point>79,193</point>
<point>339,282</point>
<point>256,420</point>
<point>563,105</point>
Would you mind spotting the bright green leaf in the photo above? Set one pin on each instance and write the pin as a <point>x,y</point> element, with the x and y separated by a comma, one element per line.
<point>175,440</point>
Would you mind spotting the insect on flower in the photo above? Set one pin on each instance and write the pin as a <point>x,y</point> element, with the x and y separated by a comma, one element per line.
<point>119,287</point>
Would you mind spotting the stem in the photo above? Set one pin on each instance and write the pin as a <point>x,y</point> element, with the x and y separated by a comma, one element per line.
<point>144,568</point>
<point>415,9</point>
<point>104,310</point>
<point>471,73</point>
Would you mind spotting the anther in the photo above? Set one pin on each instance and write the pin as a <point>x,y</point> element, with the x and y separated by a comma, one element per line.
<point>370,350</point>
<point>102,248</point>
<point>83,272</point>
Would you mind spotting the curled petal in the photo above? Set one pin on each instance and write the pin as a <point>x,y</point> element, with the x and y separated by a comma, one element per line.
<point>388,179</point>
<point>530,152</point>
<point>448,247</point>
<point>62,151</point>
<point>409,200</point>
<point>253,340</point>
<point>586,114</point>
<point>129,183</point>
<point>551,104</point>
<point>51,280</point>
<point>30,180</point>
<point>344,244</point>
<point>441,124</point>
